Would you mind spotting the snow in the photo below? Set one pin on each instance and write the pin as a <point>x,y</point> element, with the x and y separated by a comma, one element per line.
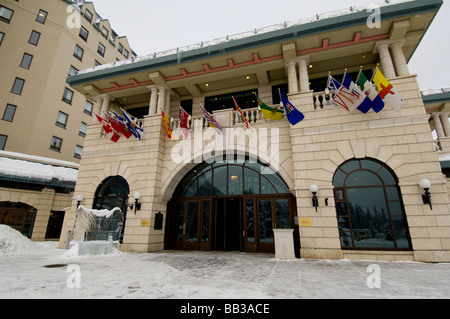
<point>31,170</point>
<point>203,275</point>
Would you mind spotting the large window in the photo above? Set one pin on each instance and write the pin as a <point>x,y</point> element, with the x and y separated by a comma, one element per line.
<point>5,14</point>
<point>231,178</point>
<point>369,207</point>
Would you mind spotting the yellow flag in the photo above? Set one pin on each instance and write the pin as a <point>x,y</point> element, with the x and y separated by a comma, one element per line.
<point>387,92</point>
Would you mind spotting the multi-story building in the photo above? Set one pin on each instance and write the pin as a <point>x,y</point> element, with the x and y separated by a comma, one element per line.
<point>44,120</point>
<point>345,184</point>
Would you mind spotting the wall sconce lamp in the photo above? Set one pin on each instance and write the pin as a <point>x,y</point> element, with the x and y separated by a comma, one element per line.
<point>137,205</point>
<point>315,201</point>
<point>425,184</point>
<point>79,200</point>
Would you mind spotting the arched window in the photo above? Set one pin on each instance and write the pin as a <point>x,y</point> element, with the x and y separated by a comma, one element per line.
<point>369,207</point>
<point>112,192</point>
<point>19,216</point>
<point>231,178</point>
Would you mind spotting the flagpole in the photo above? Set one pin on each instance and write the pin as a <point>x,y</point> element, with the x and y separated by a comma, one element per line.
<point>360,70</point>
<point>376,70</point>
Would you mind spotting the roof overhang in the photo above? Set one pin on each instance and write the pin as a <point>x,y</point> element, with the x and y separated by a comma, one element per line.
<point>258,60</point>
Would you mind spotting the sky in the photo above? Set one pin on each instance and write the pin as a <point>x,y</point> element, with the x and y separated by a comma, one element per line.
<point>155,26</point>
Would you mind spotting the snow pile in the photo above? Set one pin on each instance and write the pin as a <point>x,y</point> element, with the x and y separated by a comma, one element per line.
<point>30,170</point>
<point>14,243</point>
<point>73,252</point>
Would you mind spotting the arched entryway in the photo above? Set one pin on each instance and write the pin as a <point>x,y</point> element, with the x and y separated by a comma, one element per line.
<point>113,192</point>
<point>229,205</point>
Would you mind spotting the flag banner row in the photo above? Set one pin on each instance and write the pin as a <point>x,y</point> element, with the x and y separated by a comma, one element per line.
<point>116,126</point>
<point>365,95</point>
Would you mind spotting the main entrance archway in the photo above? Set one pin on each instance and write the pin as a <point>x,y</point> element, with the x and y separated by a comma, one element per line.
<point>229,206</point>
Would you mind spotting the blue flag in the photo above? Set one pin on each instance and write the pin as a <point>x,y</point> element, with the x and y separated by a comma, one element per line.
<point>294,116</point>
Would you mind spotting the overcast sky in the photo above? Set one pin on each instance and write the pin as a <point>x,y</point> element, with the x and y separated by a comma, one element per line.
<point>154,26</point>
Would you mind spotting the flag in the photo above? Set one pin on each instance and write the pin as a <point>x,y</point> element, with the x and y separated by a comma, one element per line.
<point>166,120</point>
<point>132,125</point>
<point>184,117</point>
<point>242,116</point>
<point>108,129</point>
<point>348,98</point>
<point>268,112</point>
<point>373,100</point>
<point>212,122</point>
<point>118,126</point>
<point>387,92</point>
<point>294,116</point>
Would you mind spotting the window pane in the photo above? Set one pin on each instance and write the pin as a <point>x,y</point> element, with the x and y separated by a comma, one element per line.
<point>88,106</point>
<point>3,139</point>
<point>282,213</point>
<point>402,240</point>
<point>204,184</point>
<point>266,187</point>
<point>34,38</point>
<point>192,190</point>
<point>56,144</point>
<point>220,181</point>
<point>205,223</point>
<point>339,178</point>
<point>251,182</point>
<point>192,222</point>
<point>370,219</point>
<point>280,186</point>
<point>387,177</point>
<point>42,16</point>
<point>363,178</point>
<point>250,226</point>
<point>67,95</point>
<point>18,86</point>
<point>370,165</point>
<point>26,61</point>
<point>350,166</point>
<point>265,221</point>
<point>62,119</point>
<point>392,193</point>
<point>178,221</point>
<point>235,181</point>
<point>9,113</point>
<point>5,14</point>
<point>341,209</point>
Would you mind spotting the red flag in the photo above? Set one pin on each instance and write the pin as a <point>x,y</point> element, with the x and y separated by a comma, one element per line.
<point>184,117</point>
<point>119,126</point>
<point>242,116</point>
<point>108,129</point>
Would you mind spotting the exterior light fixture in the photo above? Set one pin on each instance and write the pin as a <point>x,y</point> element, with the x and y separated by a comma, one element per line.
<point>79,200</point>
<point>425,184</point>
<point>315,201</point>
<point>137,205</point>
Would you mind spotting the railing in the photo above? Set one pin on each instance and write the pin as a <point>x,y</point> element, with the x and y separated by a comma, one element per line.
<point>253,116</point>
<point>323,100</point>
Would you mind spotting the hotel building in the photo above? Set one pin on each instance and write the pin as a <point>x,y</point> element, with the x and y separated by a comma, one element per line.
<point>339,184</point>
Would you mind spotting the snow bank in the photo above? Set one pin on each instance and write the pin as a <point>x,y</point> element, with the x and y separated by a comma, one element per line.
<point>14,243</point>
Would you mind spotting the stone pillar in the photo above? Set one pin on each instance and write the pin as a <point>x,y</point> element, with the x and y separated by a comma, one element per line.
<point>398,56</point>
<point>445,124</point>
<point>97,108</point>
<point>153,101</point>
<point>304,75</point>
<point>105,105</point>
<point>168,94</point>
<point>162,99</point>
<point>386,61</point>
<point>438,125</point>
<point>43,214</point>
<point>292,77</point>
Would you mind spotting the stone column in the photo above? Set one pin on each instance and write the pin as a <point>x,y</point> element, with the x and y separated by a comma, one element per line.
<point>153,101</point>
<point>304,75</point>
<point>292,77</point>
<point>97,108</point>
<point>168,94</point>
<point>438,125</point>
<point>445,124</point>
<point>386,61</point>
<point>105,105</point>
<point>162,99</point>
<point>399,58</point>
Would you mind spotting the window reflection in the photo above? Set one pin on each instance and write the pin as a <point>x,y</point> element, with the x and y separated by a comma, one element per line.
<point>369,208</point>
